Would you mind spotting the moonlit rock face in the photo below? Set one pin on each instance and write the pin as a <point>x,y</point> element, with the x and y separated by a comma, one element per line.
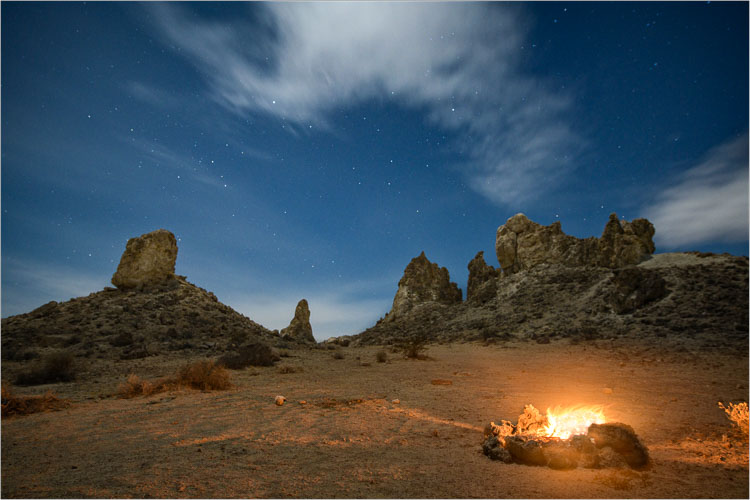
<point>300,328</point>
<point>522,244</point>
<point>148,259</point>
<point>482,284</point>
<point>423,281</point>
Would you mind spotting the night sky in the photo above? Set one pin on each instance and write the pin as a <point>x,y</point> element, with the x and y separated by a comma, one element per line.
<point>311,150</point>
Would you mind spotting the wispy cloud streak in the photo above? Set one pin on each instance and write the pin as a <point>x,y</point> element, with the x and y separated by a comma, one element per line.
<point>458,63</point>
<point>708,203</point>
<point>166,157</point>
<point>28,284</point>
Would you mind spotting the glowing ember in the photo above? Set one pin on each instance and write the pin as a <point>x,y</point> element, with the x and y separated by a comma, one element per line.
<point>571,421</point>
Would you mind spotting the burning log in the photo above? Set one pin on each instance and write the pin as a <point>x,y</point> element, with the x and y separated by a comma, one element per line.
<point>564,439</point>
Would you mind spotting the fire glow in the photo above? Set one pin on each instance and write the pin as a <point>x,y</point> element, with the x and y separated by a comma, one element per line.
<point>565,438</point>
<point>572,421</point>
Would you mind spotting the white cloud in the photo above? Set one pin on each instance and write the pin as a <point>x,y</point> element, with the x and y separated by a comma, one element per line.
<point>708,203</point>
<point>459,63</point>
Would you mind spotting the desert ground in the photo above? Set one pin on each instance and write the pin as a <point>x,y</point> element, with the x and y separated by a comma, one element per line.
<point>355,427</point>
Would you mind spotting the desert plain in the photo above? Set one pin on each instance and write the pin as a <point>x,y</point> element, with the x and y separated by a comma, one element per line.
<point>354,427</point>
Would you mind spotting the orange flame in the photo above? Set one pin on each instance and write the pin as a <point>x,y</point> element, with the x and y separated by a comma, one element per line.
<point>573,420</point>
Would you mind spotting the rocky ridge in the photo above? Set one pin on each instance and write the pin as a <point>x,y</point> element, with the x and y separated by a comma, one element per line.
<point>555,286</point>
<point>423,282</point>
<point>522,244</point>
<point>152,311</point>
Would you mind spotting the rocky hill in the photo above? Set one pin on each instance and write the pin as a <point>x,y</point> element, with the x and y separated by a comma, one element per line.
<point>552,285</point>
<point>152,311</point>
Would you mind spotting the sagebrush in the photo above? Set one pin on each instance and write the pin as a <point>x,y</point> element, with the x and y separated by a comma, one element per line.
<point>738,414</point>
<point>253,353</point>
<point>203,375</point>
<point>414,347</point>
<point>13,404</point>
<point>55,367</point>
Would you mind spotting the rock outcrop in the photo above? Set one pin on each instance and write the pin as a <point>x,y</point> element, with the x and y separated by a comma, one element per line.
<point>299,328</point>
<point>635,287</point>
<point>152,312</point>
<point>482,284</point>
<point>423,282</point>
<point>679,300</point>
<point>147,260</point>
<point>522,244</point>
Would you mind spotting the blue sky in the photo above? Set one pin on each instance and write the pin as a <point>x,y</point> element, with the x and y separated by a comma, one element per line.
<point>311,150</point>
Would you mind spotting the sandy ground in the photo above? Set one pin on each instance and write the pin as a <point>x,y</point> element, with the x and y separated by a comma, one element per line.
<point>351,440</point>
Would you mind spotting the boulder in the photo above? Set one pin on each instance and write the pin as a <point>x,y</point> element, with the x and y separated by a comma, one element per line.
<point>522,244</point>
<point>148,259</point>
<point>482,284</point>
<point>423,281</point>
<point>299,328</point>
<point>635,287</point>
<point>622,439</point>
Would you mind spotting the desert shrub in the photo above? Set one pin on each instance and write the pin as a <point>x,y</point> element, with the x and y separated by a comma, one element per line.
<point>381,357</point>
<point>288,369</point>
<point>121,340</point>
<point>26,355</point>
<point>238,336</point>
<point>738,414</point>
<point>414,347</point>
<point>338,355</point>
<point>136,386</point>
<point>13,404</point>
<point>55,367</point>
<point>204,375</point>
<point>251,354</point>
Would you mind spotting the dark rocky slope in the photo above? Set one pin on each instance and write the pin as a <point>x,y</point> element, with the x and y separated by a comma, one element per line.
<point>152,311</point>
<point>557,286</point>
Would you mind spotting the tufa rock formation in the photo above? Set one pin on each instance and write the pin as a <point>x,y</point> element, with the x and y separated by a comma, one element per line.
<point>556,286</point>
<point>423,282</point>
<point>522,244</point>
<point>299,328</point>
<point>148,260</point>
<point>482,285</point>
<point>152,312</point>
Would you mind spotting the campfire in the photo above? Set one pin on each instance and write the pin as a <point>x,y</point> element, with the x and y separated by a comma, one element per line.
<point>565,438</point>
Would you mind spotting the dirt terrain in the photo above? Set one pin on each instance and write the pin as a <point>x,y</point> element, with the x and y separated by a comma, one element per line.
<point>351,439</point>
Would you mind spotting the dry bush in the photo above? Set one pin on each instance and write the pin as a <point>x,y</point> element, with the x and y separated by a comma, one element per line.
<point>338,355</point>
<point>737,413</point>
<point>254,353</point>
<point>55,367</point>
<point>13,404</point>
<point>136,386</point>
<point>204,375</point>
<point>413,347</point>
<point>381,357</point>
<point>288,369</point>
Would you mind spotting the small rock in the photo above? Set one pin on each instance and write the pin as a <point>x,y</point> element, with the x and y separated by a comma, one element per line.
<point>303,402</point>
<point>280,400</point>
<point>440,381</point>
<point>607,390</point>
<point>396,401</point>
